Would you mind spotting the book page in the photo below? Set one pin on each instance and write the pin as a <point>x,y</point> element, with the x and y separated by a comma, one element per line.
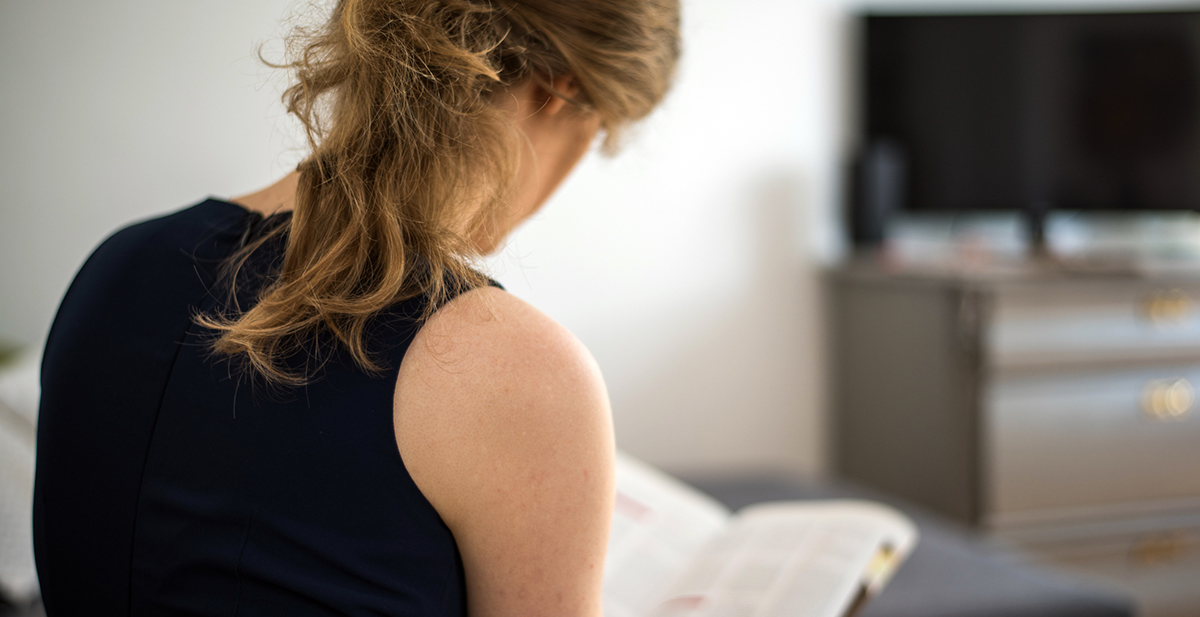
<point>795,559</point>
<point>659,526</point>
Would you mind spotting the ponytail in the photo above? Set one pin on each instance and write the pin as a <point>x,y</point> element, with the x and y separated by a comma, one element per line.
<point>410,159</point>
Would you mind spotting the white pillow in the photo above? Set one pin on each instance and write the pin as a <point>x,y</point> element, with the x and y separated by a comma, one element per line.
<point>19,394</point>
<point>20,386</point>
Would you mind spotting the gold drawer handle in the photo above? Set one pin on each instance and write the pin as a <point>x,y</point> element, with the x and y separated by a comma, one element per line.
<point>1168,399</point>
<point>1167,307</point>
<point>1161,548</point>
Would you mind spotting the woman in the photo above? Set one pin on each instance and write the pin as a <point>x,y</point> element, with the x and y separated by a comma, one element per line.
<point>303,401</point>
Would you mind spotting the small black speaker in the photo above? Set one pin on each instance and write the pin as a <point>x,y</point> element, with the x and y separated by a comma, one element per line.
<point>879,189</point>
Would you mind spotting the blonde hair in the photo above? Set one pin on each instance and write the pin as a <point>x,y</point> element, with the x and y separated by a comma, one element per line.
<point>410,158</point>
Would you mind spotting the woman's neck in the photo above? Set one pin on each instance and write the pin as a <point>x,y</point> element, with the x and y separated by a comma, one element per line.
<point>279,197</point>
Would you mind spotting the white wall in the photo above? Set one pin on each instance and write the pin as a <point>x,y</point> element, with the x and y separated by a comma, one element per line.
<point>687,265</point>
<point>113,111</point>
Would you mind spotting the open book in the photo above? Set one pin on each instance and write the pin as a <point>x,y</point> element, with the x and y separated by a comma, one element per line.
<point>675,552</point>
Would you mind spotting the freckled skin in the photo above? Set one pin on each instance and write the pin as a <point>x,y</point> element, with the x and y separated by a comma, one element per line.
<point>512,444</point>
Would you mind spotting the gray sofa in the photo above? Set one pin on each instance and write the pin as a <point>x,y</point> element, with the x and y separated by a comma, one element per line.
<point>949,574</point>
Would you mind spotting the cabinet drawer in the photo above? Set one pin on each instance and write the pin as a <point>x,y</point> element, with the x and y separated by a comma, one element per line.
<point>1159,567</point>
<point>1091,440</point>
<point>1089,322</point>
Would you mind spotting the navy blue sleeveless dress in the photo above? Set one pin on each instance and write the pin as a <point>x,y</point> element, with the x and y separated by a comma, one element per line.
<point>169,484</point>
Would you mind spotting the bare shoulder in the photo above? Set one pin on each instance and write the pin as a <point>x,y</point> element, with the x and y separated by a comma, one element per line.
<point>503,421</point>
<point>489,334</point>
<point>489,364</point>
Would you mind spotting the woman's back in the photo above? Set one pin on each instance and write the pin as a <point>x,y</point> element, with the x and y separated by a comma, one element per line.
<point>169,482</point>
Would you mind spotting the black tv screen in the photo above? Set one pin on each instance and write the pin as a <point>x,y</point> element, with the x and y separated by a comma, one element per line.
<point>1038,111</point>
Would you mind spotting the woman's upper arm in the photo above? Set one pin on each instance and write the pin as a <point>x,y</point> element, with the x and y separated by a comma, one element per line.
<point>503,422</point>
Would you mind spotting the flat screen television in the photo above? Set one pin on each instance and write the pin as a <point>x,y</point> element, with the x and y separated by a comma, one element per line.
<point>1035,112</point>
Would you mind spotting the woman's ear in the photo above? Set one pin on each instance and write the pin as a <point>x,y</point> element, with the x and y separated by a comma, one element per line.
<point>558,90</point>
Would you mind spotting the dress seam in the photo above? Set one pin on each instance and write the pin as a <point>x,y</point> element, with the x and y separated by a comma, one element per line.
<point>162,397</point>
<point>237,569</point>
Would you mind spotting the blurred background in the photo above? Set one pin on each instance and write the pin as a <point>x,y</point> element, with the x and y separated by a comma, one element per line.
<point>948,251</point>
